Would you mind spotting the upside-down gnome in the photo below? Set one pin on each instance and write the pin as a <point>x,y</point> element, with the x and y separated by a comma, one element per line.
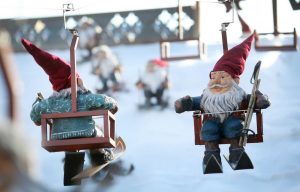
<point>59,72</point>
<point>223,94</point>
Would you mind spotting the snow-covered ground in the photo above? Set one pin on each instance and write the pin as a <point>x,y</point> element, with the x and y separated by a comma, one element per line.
<point>161,143</point>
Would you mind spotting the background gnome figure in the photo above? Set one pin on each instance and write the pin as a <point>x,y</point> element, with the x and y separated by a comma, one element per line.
<point>107,67</point>
<point>154,81</point>
<point>59,72</point>
<point>219,99</point>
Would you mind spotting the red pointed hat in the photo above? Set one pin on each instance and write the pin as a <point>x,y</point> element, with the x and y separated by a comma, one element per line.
<point>233,61</point>
<point>58,70</point>
<point>159,62</point>
<point>245,26</point>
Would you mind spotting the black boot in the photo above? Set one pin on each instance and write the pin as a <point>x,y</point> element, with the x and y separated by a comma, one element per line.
<point>238,159</point>
<point>212,160</point>
<point>100,156</point>
<point>73,164</point>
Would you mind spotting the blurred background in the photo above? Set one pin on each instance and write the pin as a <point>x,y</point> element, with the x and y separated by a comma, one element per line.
<point>160,143</point>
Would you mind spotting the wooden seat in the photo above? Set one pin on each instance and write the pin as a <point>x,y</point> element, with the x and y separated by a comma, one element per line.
<point>165,49</point>
<point>256,138</point>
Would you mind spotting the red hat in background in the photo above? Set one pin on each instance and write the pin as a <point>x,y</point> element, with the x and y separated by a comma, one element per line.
<point>245,26</point>
<point>160,63</point>
<point>58,70</point>
<point>233,61</point>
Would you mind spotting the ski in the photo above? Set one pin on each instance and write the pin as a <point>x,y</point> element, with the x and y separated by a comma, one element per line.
<point>118,151</point>
<point>255,81</point>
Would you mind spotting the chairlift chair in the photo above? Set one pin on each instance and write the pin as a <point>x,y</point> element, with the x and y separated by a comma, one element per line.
<point>106,141</point>
<point>165,44</point>
<point>257,137</point>
<point>224,30</point>
<point>246,107</point>
<point>291,47</point>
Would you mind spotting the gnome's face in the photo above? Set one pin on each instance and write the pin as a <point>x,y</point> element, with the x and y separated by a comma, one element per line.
<point>151,67</point>
<point>102,55</point>
<point>220,82</point>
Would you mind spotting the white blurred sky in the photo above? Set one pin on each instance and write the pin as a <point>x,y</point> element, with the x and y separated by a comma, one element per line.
<point>257,13</point>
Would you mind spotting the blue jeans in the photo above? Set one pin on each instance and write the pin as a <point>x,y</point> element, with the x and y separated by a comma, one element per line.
<point>214,130</point>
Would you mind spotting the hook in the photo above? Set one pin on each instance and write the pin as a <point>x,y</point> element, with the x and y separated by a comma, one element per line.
<point>66,8</point>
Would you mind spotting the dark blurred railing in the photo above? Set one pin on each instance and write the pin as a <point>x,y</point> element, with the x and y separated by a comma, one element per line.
<point>129,27</point>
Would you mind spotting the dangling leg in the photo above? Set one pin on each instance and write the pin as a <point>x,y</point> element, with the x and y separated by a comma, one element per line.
<point>104,83</point>
<point>115,78</point>
<point>212,160</point>
<point>238,158</point>
<point>73,164</point>
<point>159,97</point>
<point>100,156</point>
<point>148,94</point>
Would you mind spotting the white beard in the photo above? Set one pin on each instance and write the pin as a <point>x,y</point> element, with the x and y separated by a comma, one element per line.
<point>64,92</point>
<point>216,103</point>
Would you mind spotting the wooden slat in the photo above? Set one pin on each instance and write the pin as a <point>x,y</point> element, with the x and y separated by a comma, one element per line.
<point>165,49</point>
<point>292,47</point>
<point>275,32</point>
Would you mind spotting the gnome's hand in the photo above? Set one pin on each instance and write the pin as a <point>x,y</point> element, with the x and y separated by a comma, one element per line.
<point>262,101</point>
<point>183,104</point>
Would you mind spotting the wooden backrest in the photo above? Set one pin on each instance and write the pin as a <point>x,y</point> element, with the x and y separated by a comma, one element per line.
<point>257,138</point>
<point>106,141</point>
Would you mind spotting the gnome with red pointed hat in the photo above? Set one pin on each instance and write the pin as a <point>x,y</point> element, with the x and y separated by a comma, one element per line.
<point>154,81</point>
<point>59,72</point>
<point>221,97</point>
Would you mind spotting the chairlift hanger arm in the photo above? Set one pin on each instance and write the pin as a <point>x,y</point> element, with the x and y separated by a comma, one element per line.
<point>73,71</point>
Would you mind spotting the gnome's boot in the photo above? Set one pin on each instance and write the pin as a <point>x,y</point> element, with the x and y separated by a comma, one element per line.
<point>100,156</point>
<point>212,160</point>
<point>238,158</point>
<point>73,164</point>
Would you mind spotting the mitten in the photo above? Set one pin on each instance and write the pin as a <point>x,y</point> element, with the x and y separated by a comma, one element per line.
<point>262,101</point>
<point>183,104</point>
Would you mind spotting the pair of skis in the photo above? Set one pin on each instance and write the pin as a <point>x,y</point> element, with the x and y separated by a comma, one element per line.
<point>118,151</point>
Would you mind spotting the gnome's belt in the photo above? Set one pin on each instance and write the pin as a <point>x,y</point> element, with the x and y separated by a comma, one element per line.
<point>239,115</point>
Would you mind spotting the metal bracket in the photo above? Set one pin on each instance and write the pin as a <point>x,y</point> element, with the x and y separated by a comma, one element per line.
<point>66,8</point>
